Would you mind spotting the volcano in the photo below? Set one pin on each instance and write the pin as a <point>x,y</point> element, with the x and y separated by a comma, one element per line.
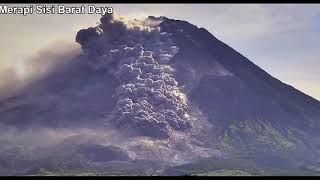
<point>167,96</point>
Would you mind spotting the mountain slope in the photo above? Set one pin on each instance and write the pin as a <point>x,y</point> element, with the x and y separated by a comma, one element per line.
<point>252,110</point>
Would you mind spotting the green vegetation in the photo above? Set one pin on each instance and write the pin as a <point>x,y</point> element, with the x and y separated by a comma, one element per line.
<point>84,173</point>
<point>234,167</point>
<point>103,171</point>
<point>259,134</point>
<point>213,165</point>
<point>226,172</point>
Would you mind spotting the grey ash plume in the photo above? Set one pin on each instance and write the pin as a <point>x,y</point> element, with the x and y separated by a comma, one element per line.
<point>150,101</point>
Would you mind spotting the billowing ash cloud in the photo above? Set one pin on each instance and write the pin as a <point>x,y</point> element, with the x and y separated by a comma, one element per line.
<point>149,99</point>
<point>25,70</point>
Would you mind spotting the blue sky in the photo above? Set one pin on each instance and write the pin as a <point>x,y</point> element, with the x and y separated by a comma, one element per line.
<point>283,39</point>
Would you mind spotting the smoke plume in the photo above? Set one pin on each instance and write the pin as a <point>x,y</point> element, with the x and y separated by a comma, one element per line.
<point>149,98</point>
